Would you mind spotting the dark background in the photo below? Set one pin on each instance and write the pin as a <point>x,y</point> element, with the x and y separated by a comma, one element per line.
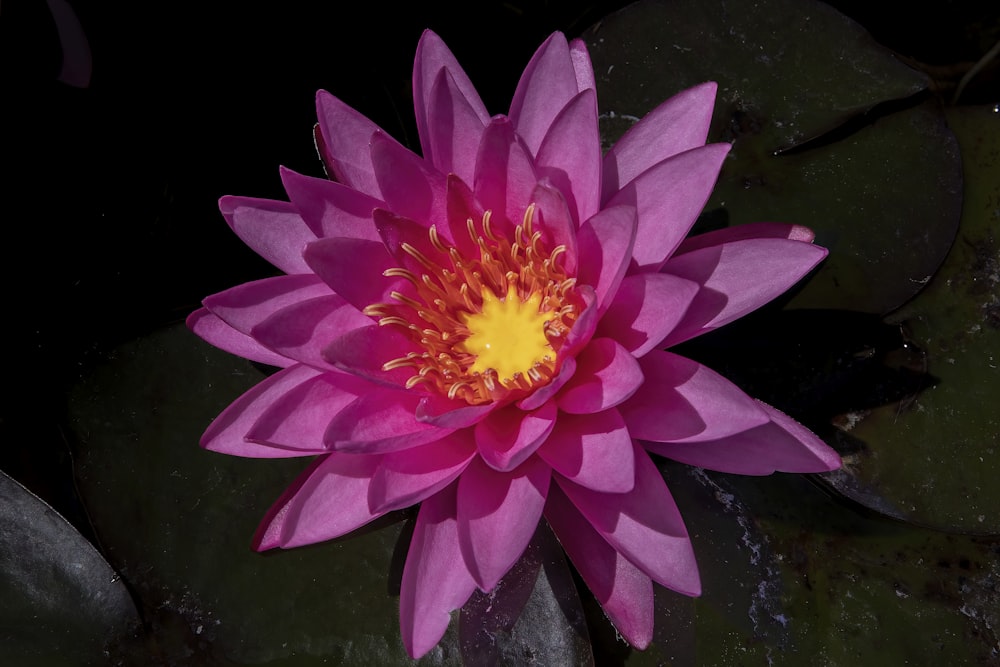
<point>110,225</point>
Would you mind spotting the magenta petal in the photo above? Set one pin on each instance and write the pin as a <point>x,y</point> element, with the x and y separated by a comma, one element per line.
<point>505,175</point>
<point>435,579</point>
<point>405,478</point>
<point>738,277</point>
<point>644,525</point>
<point>462,206</point>
<point>547,85</point>
<point>646,308</point>
<point>594,451</point>
<point>447,413</point>
<point>331,209</point>
<point>751,230</point>
<point>381,420</point>
<point>606,245</point>
<point>213,329</point>
<point>606,375</point>
<point>410,186</point>
<point>226,432</point>
<point>298,419</point>
<point>353,268</point>
<point>432,58</point>
<point>555,223</point>
<point>781,445</point>
<point>683,401</point>
<point>328,500</point>
<point>508,436</point>
<point>543,394</point>
<point>397,232</point>
<point>624,592</point>
<point>302,330</point>
<point>668,198</point>
<point>273,229</point>
<point>346,144</point>
<point>245,306</point>
<point>497,515</point>
<point>570,155</point>
<point>364,351</point>
<point>454,129</point>
<point>677,125</point>
<point>582,66</point>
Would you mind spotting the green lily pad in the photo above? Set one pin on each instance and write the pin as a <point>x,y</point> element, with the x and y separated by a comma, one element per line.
<point>936,455</point>
<point>804,96</point>
<point>61,602</point>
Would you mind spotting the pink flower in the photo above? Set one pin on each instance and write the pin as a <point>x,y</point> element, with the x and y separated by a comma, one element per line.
<point>480,330</point>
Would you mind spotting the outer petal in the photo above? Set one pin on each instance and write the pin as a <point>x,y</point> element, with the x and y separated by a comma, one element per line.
<point>497,515</point>
<point>508,436</point>
<point>410,185</point>
<point>581,65</point>
<point>594,451</point>
<point>683,401</point>
<point>272,229</point>
<point>298,419</point>
<point>435,580</point>
<point>405,478</point>
<point>213,329</point>
<point>644,525</point>
<point>454,129</point>
<point>646,308</point>
<point>226,432</point>
<point>505,175</point>
<point>302,330</point>
<point>245,306</point>
<point>738,277</point>
<point>677,125</point>
<point>606,375</point>
<point>781,445</point>
<point>433,57</point>
<point>624,591</point>
<point>570,155</point>
<point>668,198</point>
<point>331,209</point>
<point>547,85</point>
<point>606,244</point>
<point>379,421</point>
<point>346,144</point>
<point>752,230</point>
<point>328,500</point>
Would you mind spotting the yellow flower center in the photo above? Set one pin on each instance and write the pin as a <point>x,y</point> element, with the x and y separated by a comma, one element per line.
<point>478,346</point>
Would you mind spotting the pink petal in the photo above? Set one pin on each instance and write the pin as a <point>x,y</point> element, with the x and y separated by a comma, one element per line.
<point>677,125</point>
<point>606,245</point>
<point>581,65</point>
<point>624,592</point>
<point>442,411</point>
<point>273,229</point>
<point>570,155</point>
<point>752,230</point>
<point>245,306</point>
<point>226,433</point>
<point>547,85</point>
<point>363,352</point>
<point>583,329</point>
<point>454,130</point>
<point>301,331</point>
<point>432,58</point>
<point>379,421</point>
<point>353,268</point>
<point>214,330</point>
<point>543,394</point>
<point>298,419</point>
<point>781,445</point>
<point>644,525</point>
<point>331,209</point>
<point>435,580</point>
<point>594,451</point>
<point>738,277</point>
<point>328,500</point>
<point>410,185</point>
<point>508,436</point>
<point>606,375</point>
<point>683,401</point>
<point>497,515</point>
<point>397,231</point>
<point>462,207</point>
<point>646,308</point>
<point>555,222</point>
<point>347,144</point>
<point>505,175</point>
<point>668,198</point>
<point>405,478</point>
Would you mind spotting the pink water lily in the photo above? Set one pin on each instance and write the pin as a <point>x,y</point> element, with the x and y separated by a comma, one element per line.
<point>481,330</point>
